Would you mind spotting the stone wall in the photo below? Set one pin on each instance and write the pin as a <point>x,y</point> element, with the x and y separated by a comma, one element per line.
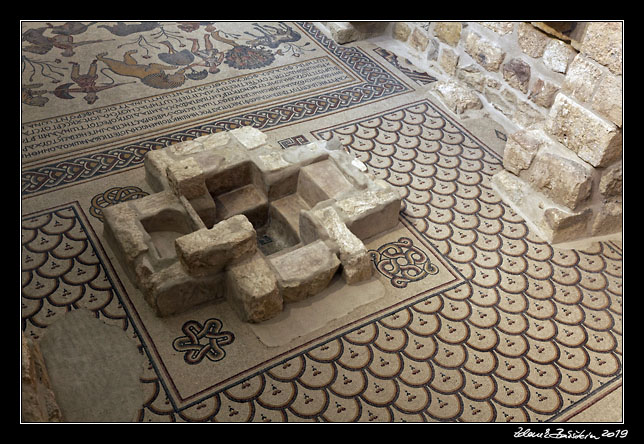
<point>557,88</point>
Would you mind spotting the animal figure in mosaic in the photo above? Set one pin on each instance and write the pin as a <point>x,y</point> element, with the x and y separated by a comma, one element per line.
<point>123,29</point>
<point>272,36</point>
<point>38,43</point>
<point>151,74</point>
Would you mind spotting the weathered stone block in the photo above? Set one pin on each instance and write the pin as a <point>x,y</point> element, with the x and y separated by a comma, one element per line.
<point>557,55</point>
<point>401,31</point>
<point>418,40</point>
<point>521,148</point>
<point>448,32</point>
<point>321,181</point>
<point>448,61</point>
<point>486,54</point>
<point>38,402</point>
<point>457,96</point>
<point>208,251</point>
<point>517,73</point>
<point>325,224</point>
<point>172,290</point>
<point>252,289</point>
<point>610,183</point>
<point>543,93</point>
<point>593,138</point>
<point>370,212</point>
<point>607,99</point>
<point>501,28</point>
<point>609,218</point>
<point>531,41</point>
<point>249,137</point>
<point>566,226</point>
<point>187,178</point>
<point>305,271</point>
<point>582,78</point>
<point>603,43</point>
<point>567,180</point>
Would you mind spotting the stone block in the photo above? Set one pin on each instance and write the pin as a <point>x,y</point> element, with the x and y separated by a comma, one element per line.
<point>566,226</point>
<point>563,177</point>
<point>521,148</point>
<point>251,288</point>
<point>543,93</point>
<point>326,224</point>
<point>418,40</point>
<point>546,218</point>
<point>401,31</point>
<point>448,32</point>
<point>172,290</point>
<point>603,43</point>
<point>448,61</point>
<point>186,177</point>
<point>558,55</point>
<point>594,139</point>
<point>484,52</point>
<point>610,183</point>
<point>608,218</point>
<point>38,402</point>
<point>249,137</point>
<point>305,271</point>
<point>321,181</point>
<point>501,28</point>
<point>208,251</point>
<point>532,41</point>
<point>342,32</point>
<point>517,73</point>
<point>582,78</point>
<point>370,212</point>
<point>607,99</point>
<point>457,96</point>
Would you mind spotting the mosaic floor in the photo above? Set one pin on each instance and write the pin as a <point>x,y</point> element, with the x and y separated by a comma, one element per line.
<point>505,328</point>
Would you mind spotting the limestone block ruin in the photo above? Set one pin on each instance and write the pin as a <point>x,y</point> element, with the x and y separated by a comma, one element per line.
<point>237,217</point>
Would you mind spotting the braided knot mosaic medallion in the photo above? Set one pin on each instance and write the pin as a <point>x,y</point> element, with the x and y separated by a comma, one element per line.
<point>203,341</point>
<point>402,262</point>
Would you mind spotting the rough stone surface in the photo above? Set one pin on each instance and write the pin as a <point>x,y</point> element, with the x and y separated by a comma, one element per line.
<point>531,41</point>
<point>593,138</point>
<point>609,218</point>
<point>543,93</point>
<point>521,148</point>
<point>563,178</point>
<point>565,225</point>
<point>557,55</point>
<point>582,78</point>
<point>356,263</point>
<point>38,402</point>
<point>305,271</point>
<point>457,96</point>
<point>418,40</point>
<point>448,32</point>
<point>401,31</point>
<point>603,43</point>
<point>610,183</point>
<point>252,289</point>
<point>607,99</point>
<point>448,61</point>
<point>487,54</point>
<point>208,251</point>
<point>517,73</point>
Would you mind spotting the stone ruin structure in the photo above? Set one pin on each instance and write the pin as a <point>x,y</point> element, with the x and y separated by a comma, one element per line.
<point>557,89</point>
<point>239,218</point>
